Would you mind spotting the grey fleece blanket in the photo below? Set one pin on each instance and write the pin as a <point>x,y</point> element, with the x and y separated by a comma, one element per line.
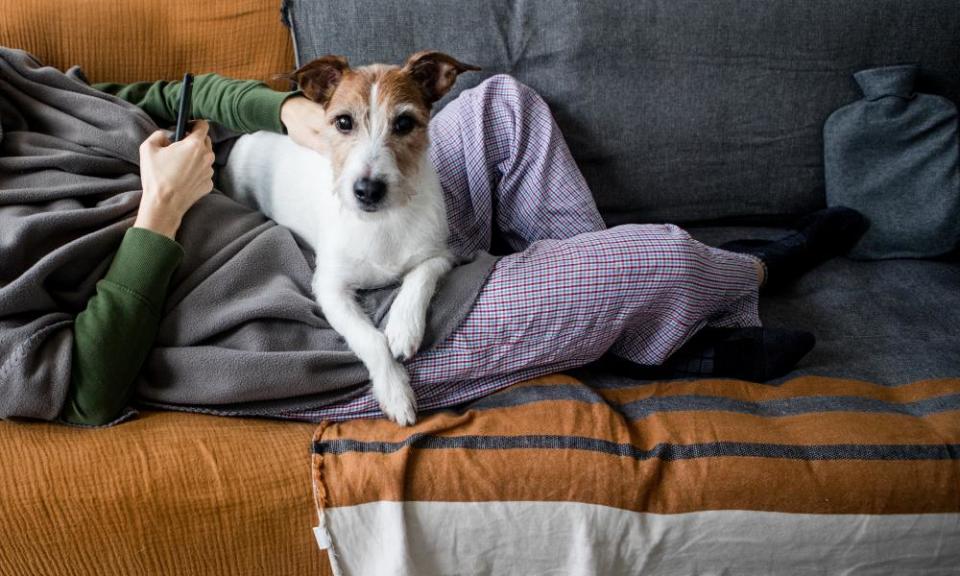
<point>240,333</point>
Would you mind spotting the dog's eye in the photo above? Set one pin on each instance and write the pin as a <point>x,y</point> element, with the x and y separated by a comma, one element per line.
<point>404,124</point>
<point>344,123</point>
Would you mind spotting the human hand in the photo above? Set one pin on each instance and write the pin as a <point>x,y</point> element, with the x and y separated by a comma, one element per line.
<point>305,121</point>
<point>174,176</point>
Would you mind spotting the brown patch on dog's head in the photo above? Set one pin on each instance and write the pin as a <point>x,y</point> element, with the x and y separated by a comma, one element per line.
<point>377,118</point>
<point>318,78</point>
<point>435,72</point>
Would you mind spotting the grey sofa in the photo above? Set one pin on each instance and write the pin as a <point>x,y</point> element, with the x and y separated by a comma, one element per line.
<point>708,114</point>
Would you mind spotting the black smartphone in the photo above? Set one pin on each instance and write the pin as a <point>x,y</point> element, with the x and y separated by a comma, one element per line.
<point>183,112</point>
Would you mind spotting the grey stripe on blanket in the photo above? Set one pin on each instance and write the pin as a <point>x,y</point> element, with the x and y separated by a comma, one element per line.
<point>240,332</point>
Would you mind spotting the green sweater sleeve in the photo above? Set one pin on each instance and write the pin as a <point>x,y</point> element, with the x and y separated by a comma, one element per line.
<point>114,334</point>
<point>240,105</point>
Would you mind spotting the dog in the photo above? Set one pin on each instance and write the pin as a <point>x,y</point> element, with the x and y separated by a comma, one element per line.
<point>371,208</point>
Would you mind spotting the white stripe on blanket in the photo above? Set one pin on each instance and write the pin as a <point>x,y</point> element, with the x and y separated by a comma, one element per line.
<point>531,538</point>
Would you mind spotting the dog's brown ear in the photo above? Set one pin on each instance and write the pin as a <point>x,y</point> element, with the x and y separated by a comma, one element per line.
<point>435,72</point>
<point>319,78</point>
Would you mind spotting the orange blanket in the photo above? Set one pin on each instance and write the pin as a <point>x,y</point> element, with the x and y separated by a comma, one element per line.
<point>665,462</point>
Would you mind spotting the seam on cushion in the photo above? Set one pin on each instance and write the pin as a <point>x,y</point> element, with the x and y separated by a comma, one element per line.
<point>285,8</point>
<point>288,15</point>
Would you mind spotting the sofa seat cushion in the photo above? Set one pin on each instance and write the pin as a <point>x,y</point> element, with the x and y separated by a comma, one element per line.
<point>888,322</point>
<point>166,493</point>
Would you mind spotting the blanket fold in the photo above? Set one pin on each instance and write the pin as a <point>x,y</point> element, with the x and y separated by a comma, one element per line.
<point>240,333</point>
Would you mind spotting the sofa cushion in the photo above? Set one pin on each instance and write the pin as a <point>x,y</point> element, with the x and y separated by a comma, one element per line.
<point>133,41</point>
<point>889,322</point>
<point>675,111</point>
<point>166,493</point>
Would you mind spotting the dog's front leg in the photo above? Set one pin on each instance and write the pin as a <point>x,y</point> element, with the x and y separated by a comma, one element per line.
<point>408,314</point>
<point>390,382</point>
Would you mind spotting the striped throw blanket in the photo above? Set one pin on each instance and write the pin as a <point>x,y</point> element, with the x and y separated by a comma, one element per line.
<point>550,476</point>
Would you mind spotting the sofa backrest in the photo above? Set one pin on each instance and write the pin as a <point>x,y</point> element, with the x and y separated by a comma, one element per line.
<point>680,110</point>
<point>133,40</point>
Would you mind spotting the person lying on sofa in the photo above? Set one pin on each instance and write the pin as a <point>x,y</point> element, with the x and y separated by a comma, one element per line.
<point>649,294</point>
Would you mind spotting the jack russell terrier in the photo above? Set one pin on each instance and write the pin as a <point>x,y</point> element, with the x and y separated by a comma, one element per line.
<point>371,207</point>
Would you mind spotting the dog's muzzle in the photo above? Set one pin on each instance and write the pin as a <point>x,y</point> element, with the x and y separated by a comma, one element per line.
<point>369,193</point>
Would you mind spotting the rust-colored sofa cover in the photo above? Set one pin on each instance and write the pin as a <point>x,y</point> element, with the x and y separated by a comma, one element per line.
<point>133,40</point>
<point>167,493</point>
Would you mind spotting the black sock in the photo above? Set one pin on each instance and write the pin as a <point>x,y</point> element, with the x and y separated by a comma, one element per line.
<point>819,237</point>
<point>754,354</point>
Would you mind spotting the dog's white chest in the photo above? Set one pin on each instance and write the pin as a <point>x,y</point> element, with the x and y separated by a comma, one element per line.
<point>370,253</point>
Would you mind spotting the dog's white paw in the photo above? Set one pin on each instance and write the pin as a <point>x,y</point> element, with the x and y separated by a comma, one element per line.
<point>404,334</point>
<point>396,397</point>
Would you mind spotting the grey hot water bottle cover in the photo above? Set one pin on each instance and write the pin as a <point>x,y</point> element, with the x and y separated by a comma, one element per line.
<point>894,157</point>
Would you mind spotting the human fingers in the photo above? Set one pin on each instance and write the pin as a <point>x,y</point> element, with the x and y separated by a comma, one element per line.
<point>156,140</point>
<point>198,131</point>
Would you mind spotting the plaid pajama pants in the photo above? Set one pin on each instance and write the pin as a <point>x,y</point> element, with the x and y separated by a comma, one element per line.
<point>574,289</point>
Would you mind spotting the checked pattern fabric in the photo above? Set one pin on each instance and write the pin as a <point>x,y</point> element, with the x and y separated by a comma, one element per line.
<point>573,289</point>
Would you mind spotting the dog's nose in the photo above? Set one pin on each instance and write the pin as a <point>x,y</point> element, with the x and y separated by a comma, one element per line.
<point>369,191</point>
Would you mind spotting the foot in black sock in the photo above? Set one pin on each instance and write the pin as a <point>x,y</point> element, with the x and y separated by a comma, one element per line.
<point>819,237</point>
<point>754,354</point>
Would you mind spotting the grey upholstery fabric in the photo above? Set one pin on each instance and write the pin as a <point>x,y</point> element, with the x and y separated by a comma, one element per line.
<point>894,156</point>
<point>688,110</point>
<point>676,111</point>
<point>889,321</point>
